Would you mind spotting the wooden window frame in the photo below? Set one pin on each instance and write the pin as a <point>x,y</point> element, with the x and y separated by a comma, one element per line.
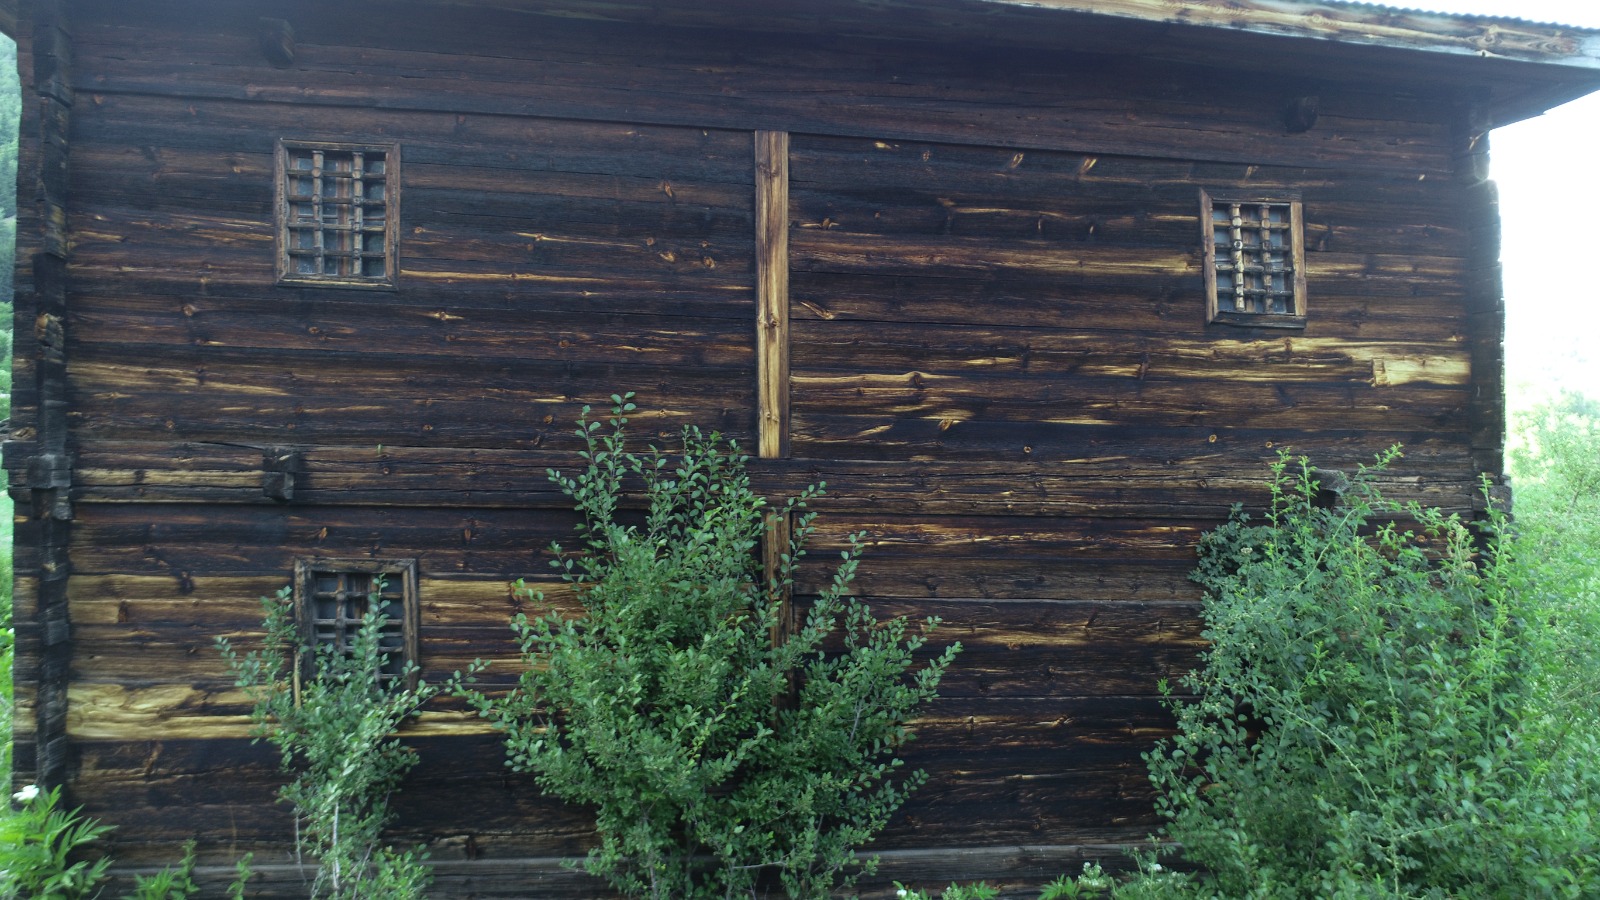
<point>287,225</point>
<point>396,572</point>
<point>1218,312</point>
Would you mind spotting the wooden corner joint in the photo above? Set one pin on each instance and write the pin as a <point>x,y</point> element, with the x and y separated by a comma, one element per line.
<point>281,468</point>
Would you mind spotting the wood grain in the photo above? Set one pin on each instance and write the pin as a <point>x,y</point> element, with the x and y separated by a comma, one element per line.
<point>772,292</point>
<point>946,264</point>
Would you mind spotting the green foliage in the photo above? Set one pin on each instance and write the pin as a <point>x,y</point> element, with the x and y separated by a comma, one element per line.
<point>1555,456</point>
<point>242,873</point>
<point>337,738</point>
<point>169,883</point>
<point>10,113</point>
<point>1091,882</point>
<point>1556,464</point>
<point>1149,881</point>
<point>179,883</point>
<point>37,842</point>
<point>1379,714</point>
<point>656,706</point>
<point>10,109</point>
<point>979,891</point>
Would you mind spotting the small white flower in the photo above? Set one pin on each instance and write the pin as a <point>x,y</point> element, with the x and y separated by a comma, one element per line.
<point>1155,867</point>
<point>26,794</point>
<point>901,893</point>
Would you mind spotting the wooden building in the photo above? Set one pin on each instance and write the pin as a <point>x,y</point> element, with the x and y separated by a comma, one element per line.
<point>1035,286</point>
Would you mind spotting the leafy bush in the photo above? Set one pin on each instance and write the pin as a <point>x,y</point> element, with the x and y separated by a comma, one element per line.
<point>37,842</point>
<point>1380,713</point>
<point>1556,464</point>
<point>337,738</point>
<point>1555,455</point>
<point>666,705</point>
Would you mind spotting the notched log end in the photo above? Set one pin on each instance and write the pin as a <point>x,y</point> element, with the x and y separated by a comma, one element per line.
<point>1300,115</point>
<point>281,469</point>
<point>276,37</point>
<point>1331,486</point>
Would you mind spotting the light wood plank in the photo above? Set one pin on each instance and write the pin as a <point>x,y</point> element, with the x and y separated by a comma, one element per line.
<point>772,291</point>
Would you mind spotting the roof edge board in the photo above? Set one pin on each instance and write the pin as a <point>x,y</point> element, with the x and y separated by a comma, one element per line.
<point>1415,30</point>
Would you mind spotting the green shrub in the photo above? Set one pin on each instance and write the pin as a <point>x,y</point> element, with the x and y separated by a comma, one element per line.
<point>1556,464</point>
<point>1555,455</point>
<point>1379,713</point>
<point>337,739</point>
<point>37,843</point>
<point>656,706</point>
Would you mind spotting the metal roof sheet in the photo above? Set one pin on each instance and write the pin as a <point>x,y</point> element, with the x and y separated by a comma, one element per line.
<point>1472,17</point>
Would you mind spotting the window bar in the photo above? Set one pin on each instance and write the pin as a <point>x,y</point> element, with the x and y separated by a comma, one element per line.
<point>320,244</point>
<point>358,197</point>
<point>1266,258</point>
<point>1236,237</point>
<point>351,597</point>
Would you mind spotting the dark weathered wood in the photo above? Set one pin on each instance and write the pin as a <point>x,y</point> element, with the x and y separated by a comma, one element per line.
<point>1144,308</point>
<point>44,646</point>
<point>1485,293</point>
<point>1112,471</point>
<point>958,279</point>
<point>976,747</point>
<point>765,82</point>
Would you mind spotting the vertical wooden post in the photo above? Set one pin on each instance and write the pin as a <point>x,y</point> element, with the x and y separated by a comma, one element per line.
<point>772,293</point>
<point>44,641</point>
<point>780,531</point>
<point>1485,294</point>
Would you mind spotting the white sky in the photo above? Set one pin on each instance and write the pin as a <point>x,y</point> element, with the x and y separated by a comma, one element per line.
<point>1549,192</point>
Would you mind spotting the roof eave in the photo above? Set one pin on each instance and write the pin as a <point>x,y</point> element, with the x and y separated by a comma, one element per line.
<point>1364,24</point>
<point>1523,68</point>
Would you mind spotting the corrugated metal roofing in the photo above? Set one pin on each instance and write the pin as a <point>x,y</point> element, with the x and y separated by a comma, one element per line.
<point>1470,17</point>
<point>1357,23</point>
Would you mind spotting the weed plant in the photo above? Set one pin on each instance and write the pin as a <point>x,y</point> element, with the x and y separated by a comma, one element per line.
<point>1382,711</point>
<point>38,845</point>
<point>713,755</point>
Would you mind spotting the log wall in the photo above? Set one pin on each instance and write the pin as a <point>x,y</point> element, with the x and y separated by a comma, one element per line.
<point>996,351</point>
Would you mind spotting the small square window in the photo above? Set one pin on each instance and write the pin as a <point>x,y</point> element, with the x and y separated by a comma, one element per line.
<point>332,595</point>
<point>1254,261</point>
<point>338,214</point>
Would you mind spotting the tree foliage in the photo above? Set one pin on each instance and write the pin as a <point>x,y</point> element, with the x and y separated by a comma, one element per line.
<point>1555,456</point>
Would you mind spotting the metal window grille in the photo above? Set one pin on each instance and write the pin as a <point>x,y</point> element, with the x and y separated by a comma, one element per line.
<point>337,211</point>
<point>332,596</point>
